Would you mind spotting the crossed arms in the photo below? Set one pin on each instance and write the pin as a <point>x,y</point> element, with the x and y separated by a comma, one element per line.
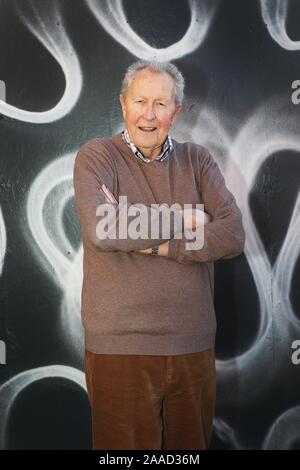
<point>224,235</point>
<point>191,220</point>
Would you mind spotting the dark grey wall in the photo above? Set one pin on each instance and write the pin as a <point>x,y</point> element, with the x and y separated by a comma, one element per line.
<point>61,64</point>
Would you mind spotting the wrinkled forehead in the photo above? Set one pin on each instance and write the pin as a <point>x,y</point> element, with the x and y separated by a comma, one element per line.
<point>147,82</point>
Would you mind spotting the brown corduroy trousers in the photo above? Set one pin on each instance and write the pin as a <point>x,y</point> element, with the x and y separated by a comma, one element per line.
<point>152,402</point>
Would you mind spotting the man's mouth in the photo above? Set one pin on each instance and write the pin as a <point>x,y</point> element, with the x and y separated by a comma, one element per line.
<point>147,129</point>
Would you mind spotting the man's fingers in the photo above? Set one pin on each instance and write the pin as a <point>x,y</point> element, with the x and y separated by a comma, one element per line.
<point>207,218</point>
<point>108,194</point>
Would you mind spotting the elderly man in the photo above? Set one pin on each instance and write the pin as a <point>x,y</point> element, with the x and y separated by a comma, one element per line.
<point>147,302</point>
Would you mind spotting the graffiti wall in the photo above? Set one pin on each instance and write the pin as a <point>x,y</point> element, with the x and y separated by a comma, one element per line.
<point>61,65</point>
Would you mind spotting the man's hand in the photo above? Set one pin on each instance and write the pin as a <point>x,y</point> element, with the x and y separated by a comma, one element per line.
<point>192,218</point>
<point>108,195</point>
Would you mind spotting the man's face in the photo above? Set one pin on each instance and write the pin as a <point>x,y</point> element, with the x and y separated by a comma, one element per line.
<point>149,109</point>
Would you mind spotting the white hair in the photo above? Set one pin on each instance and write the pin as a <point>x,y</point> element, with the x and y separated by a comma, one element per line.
<point>158,67</point>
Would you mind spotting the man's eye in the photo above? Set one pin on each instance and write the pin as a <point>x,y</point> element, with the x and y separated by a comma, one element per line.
<point>162,104</point>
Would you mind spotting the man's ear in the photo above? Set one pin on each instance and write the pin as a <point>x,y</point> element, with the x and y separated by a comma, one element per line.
<point>122,101</point>
<point>177,111</point>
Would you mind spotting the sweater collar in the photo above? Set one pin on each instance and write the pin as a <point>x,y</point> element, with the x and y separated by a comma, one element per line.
<point>166,148</point>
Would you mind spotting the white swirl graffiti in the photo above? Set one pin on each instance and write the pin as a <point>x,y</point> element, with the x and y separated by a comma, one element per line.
<point>2,241</point>
<point>47,199</point>
<point>49,29</point>
<point>274,13</point>
<point>113,19</point>
<point>10,390</point>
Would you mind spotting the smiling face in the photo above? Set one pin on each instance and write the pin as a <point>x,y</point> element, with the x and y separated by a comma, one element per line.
<point>149,109</point>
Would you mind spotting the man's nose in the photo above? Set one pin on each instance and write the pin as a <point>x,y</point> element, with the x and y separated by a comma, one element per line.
<point>150,113</point>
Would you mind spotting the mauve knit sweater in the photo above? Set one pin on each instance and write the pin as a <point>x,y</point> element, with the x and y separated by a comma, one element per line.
<point>134,303</point>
